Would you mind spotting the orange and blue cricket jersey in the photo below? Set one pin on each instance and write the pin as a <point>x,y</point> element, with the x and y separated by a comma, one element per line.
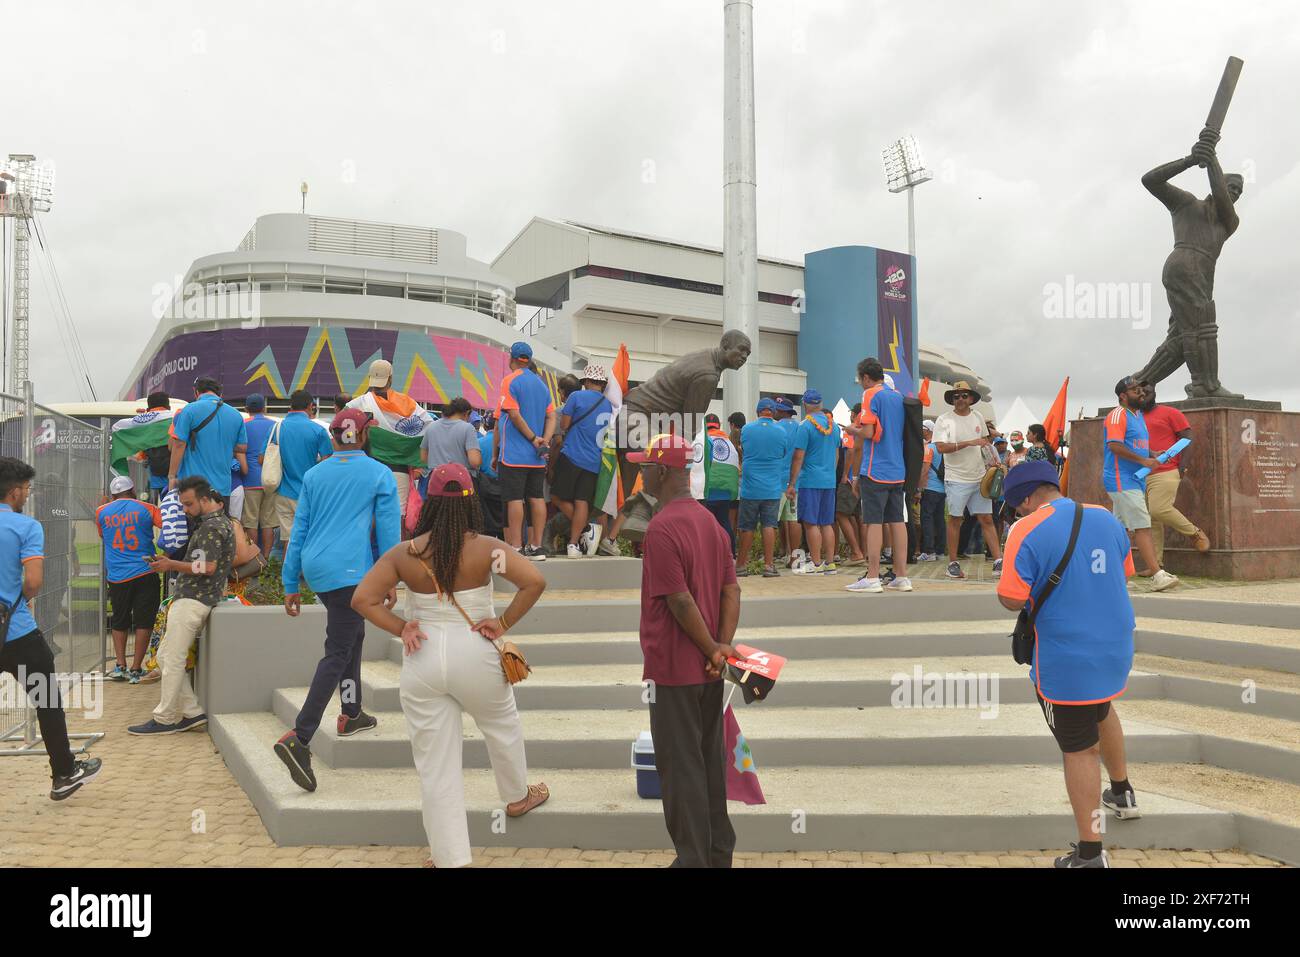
<point>126,525</point>
<point>882,457</point>
<point>1084,650</point>
<point>1129,427</point>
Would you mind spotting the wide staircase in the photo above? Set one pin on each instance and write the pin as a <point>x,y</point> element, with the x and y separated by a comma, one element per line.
<point>900,723</point>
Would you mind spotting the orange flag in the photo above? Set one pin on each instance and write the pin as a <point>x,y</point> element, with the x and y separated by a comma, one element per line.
<point>622,368</point>
<point>1054,423</point>
<point>924,394</point>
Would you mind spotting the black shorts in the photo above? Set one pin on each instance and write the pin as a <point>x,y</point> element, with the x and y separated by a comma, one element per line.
<point>135,602</point>
<point>520,482</point>
<point>572,484</point>
<point>881,504</point>
<point>1076,727</point>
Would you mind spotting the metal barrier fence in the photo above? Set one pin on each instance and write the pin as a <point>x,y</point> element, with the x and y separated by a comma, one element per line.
<point>71,462</point>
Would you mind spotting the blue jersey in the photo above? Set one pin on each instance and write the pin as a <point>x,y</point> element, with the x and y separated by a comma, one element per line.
<point>21,540</point>
<point>341,501</point>
<point>882,459</point>
<point>526,393</point>
<point>821,450</point>
<point>1119,474</point>
<point>126,525</point>
<point>259,431</point>
<point>485,448</point>
<point>584,442</point>
<point>208,450</point>
<point>932,481</point>
<point>763,445</point>
<point>791,426</point>
<point>1084,650</point>
<point>302,444</point>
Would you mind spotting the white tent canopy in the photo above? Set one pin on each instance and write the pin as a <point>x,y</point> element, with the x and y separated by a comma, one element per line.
<point>1016,417</point>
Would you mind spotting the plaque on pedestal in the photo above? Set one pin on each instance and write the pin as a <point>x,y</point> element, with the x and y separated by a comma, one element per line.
<point>1241,486</point>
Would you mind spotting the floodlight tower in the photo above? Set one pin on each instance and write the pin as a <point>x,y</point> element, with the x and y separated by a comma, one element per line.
<point>30,190</point>
<point>905,171</point>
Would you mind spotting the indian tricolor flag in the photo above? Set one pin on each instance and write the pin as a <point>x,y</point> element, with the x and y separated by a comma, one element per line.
<point>609,489</point>
<point>398,426</point>
<point>132,436</point>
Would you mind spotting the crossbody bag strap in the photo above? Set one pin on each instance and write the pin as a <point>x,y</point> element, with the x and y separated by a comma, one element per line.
<point>574,423</point>
<point>1054,579</point>
<point>193,441</point>
<point>438,588</point>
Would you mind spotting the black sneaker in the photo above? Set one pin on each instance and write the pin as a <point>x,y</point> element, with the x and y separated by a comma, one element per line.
<point>349,726</point>
<point>189,724</point>
<point>297,758</point>
<point>1125,805</point>
<point>1074,860</point>
<point>82,773</point>
<point>534,553</point>
<point>887,577</point>
<point>954,571</point>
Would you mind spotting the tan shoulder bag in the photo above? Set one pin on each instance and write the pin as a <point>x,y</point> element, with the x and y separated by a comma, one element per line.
<point>513,664</point>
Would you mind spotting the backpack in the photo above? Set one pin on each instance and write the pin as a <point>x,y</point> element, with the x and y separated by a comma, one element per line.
<point>160,460</point>
<point>913,443</point>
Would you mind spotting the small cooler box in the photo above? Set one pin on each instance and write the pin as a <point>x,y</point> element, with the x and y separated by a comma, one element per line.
<point>643,761</point>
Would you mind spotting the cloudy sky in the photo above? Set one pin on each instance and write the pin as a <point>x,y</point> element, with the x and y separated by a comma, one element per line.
<point>174,125</point>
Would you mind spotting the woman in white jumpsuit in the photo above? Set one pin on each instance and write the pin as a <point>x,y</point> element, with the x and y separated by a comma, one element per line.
<point>452,664</point>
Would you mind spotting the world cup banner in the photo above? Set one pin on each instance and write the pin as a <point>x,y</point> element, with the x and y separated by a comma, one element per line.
<point>895,334</point>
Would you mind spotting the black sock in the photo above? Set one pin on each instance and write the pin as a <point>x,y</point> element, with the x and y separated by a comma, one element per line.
<point>1089,850</point>
<point>1119,787</point>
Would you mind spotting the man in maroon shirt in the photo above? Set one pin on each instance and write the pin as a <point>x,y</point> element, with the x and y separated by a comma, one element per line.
<point>690,604</point>
<point>1166,426</point>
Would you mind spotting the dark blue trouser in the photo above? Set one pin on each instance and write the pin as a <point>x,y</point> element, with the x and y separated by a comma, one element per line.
<point>934,527</point>
<point>341,666</point>
<point>721,509</point>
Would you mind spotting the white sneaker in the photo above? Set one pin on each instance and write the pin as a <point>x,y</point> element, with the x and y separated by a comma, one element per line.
<point>807,568</point>
<point>1162,580</point>
<point>865,584</point>
<point>593,539</point>
<point>575,551</point>
<point>900,584</point>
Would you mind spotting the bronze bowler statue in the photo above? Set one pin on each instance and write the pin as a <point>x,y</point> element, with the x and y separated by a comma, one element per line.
<point>1201,227</point>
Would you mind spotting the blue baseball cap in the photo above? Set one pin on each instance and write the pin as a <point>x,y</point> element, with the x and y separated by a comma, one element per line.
<point>1022,480</point>
<point>812,397</point>
<point>475,418</point>
<point>766,405</point>
<point>255,402</point>
<point>784,404</point>
<point>521,350</point>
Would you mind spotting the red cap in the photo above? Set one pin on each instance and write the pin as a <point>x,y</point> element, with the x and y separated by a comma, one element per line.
<point>670,451</point>
<point>445,475</point>
<point>350,425</point>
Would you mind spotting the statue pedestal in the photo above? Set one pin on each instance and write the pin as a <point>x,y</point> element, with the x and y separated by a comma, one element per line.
<point>1241,486</point>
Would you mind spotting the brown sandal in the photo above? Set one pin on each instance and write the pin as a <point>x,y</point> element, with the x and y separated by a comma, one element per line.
<point>537,794</point>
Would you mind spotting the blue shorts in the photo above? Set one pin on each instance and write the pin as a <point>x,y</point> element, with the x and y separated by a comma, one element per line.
<point>882,504</point>
<point>817,506</point>
<point>756,511</point>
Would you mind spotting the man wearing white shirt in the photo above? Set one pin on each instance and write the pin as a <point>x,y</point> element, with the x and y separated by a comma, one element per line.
<point>961,436</point>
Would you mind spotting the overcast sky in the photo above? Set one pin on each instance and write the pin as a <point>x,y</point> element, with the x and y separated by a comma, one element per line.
<point>174,125</point>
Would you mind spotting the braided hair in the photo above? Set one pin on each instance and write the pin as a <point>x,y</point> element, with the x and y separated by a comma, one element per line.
<point>447,519</point>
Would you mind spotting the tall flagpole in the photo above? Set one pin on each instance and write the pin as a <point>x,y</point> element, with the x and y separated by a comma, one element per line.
<point>739,208</point>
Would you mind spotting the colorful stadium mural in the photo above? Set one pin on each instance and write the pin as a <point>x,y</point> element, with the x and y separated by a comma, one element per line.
<point>327,360</point>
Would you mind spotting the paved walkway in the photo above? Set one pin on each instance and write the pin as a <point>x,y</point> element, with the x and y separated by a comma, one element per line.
<point>170,801</point>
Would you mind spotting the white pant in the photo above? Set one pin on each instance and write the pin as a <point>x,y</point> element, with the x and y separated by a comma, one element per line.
<point>457,670</point>
<point>235,504</point>
<point>185,619</point>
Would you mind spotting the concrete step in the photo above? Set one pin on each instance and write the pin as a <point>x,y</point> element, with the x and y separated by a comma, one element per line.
<point>785,737</point>
<point>818,682</point>
<point>600,573</point>
<point>953,808</point>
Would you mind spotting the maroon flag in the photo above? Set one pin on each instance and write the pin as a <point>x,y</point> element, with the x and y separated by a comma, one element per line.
<point>742,776</point>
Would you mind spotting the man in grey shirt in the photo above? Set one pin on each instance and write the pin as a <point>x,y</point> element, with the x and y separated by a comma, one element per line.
<point>452,439</point>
